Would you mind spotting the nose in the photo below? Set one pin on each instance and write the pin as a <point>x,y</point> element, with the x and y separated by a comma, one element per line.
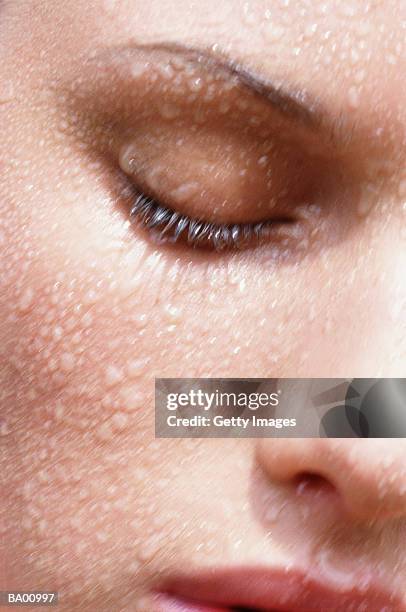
<point>368,475</point>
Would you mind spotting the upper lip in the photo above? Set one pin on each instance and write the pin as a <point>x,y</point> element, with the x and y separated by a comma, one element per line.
<point>273,590</point>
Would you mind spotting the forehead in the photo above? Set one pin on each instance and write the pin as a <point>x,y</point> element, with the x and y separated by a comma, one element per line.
<point>346,53</point>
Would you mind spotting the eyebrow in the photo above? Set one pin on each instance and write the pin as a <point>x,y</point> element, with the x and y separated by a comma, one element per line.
<point>292,103</point>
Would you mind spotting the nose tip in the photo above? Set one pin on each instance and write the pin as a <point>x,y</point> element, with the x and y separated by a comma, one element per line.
<point>368,476</point>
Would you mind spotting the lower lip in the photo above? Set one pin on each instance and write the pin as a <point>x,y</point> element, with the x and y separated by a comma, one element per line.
<point>222,591</point>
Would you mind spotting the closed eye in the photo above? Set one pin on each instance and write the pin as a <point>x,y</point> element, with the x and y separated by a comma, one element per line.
<point>167,225</point>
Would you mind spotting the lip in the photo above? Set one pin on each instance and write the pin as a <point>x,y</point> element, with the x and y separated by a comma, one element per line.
<point>219,590</point>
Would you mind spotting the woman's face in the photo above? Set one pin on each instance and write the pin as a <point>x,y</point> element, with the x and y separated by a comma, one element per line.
<point>104,99</point>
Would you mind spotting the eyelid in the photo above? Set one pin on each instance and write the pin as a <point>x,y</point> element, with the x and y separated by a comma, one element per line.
<point>172,226</point>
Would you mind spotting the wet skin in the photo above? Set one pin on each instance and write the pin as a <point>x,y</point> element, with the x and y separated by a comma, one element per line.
<point>99,101</point>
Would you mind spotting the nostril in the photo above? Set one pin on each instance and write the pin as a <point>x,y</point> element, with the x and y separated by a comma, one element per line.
<point>309,482</point>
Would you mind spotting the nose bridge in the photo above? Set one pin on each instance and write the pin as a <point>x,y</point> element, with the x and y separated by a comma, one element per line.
<point>368,475</point>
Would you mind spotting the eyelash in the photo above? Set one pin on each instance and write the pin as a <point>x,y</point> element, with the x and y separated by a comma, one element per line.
<point>172,226</point>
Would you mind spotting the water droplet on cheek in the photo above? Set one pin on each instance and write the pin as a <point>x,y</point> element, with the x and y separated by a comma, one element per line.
<point>131,399</point>
<point>119,421</point>
<point>4,428</point>
<point>67,362</point>
<point>6,92</point>
<point>26,300</point>
<point>137,367</point>
<point>173,313</point>
<point>113,376</point>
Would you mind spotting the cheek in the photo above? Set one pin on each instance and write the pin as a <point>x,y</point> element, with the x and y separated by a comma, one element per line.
<point>94,311</point>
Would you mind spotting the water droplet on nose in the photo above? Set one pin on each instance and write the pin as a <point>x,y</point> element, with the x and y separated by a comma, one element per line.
<point>273,512</point>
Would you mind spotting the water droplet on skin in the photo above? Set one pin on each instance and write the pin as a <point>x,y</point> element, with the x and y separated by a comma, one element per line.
<point>144,605</point>
<point>67,362</point>
<point>272,513</point>
<point>6,92</point>
<point>113,376</point>
<point>140,320</point>
<point>119,421</point>
<point>173,313</point>
<point>196,84</point>
<point>149,549</point>
<point>127,157</point>
<point>364,207</point>
<point>274,32</point>
<point>104,432</point>
<point>169,111</point>
<point>110,5</point>
<point>184,192</point>
<point>310,30</point>
<point>90,297</point>
<point>4,428</point>
<point>353,97</point>
<point>136,367</point>
<point>43,476</point>
<point>359,76</point>
<point>59,410</point>
<point>348,10</point>
<point>131,399</point>
<point>138,69</point>
<point>102,536</point>
<point>26,300</point>
<point>341,577</point>
<point>248,15</point>
<point>166,70</point>
<point>57,332</point>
